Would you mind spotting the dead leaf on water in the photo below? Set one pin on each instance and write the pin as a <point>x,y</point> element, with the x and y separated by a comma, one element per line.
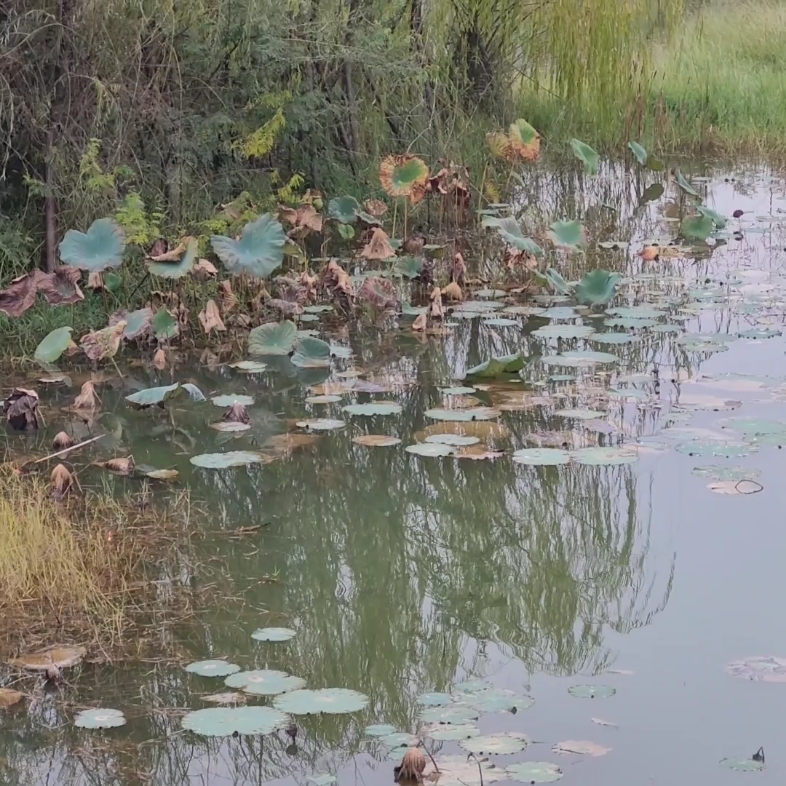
<point>61,481</point>
<point>119,466</point>
<point>159,360</point>
<point>62,441</point>
<point>477,453</point>
<point>87,398</point>
<point>376,440</point>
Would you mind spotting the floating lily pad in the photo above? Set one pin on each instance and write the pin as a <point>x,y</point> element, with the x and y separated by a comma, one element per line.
<point>227,698</point>
<point>232,458</point>
<point>541,456</point>
<point>399,739</point>
<point>760,333</point>
<point>560,312</point>
<point>272,338</point>
<point>742,764</point>
<point>430,449</point>
<point>579,414</point>
<point>323,779</point>
<point>433,699</point>
<point>231,399</point>
<point>460,771</point>
<point>100,718</point>
<point>496,700</point>
<point>719,472</point>
<point>322,399</point>
<point>636,312</point>
<point>461,390</point>
<point>503,743</point>
<point>454,440</point>
<point>159,395</point>
<point>264,682</point>
<point>335,701</point>
<point>379,730</point>
<point>451,732</point>
<point>578,358</point>
<point>212,668</point>
<point>564,331</point>
<point>500,322</point>
<point>225,721</point>
<point>581,747</point>
<point>758,669</point>
<point>460,415</point>
<point>374,408</point>
<point>472,686</point>
<point>249,366</point>
<point>709,447</point>
<point>604,456</point>
<point>321,424</point>
<point>230,427</point>
<point>534,772</point>
<point>273,634</point>
<point>497,366</point>
<point>453,713</point>
<point>376,440</point>
<point>592,691</point>
<point>615,338</point>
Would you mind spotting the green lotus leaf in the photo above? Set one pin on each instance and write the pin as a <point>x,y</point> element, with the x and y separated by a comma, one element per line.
<point>717,219</point>
<point>347,231</point>
<point>181,267</point>
<point>710,447</point>
<point>698,227</point>
<point>230,399</point>
<point>684,184</point>
<point>264,682</point>
<point>639,152</point>
<point>100,718</point>
<point>453,440</point>
<point>164,325</point>
<point>622,245</point>
<point>497,366</point>
<point>408,267</point>
<point>472,686</point>
<point>615,338</point>
<point>760,333</point>
<point>430,449</point>
<point>497,700</point>
<point>564,331</point>
<point>460,390</point>
<point>228,426</point>
<point>344,209</point>
<point>534,772</point>
<point>334,701</point>
<point>112,281</point>
<point>399,739</point>
<point>559,312</point>
<point>586,155</point>
<point>53,346</point>
<point>259,251</point>
<point>212,668</point>
<point>433,699</point>
<point>541,456</point>
<point>249,366</point>
<point>273,634</point>
<point>152,396</point>
<point>226,721</point>
<point>311,353</point>
<point>453,714</point>
<point>597,287</point>
<point>372,409</point>
<point>635,312</point>
<point>505,742</point>
<point>604,456</point>
<point>718,472</point>
<point>322,399</point>
<point>321,424</point>
<point>511,233</point>
<point>578,358</point>
<point>101,247</point>
<point>379,730</point>
<point>651,193</point>
<point>553,279</point>
<point>272,338</point>
<point>451,732</point>
<point>138,323</point>
<point>742,764</point>
<point>500,322</point>
<point>592,691</point>
<point>232,458</point>
<point>461,415</point>
<point>568,235</point>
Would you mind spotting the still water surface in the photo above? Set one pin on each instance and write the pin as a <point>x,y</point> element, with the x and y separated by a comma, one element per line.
<point>403,574</point>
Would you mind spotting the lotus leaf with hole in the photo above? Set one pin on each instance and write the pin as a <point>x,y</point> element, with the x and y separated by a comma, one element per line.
<point>53,346</point>
<point>212,668</point>
<point>233,458</point>
<point>259,251</point>
<point>101,247</point>
<point>586,155</point>
<point>597,288</point>
<point>502,743</point>
<point>226,721</point>
<point>272,338</point>
<point>568,235</point>
<point>534,772</point>
<point>100,718</point>
<point>311,353</point>
<point>273,634</point>
<point>333,701</point>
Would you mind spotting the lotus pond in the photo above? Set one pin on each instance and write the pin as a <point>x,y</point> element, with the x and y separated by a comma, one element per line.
<point>567,562</point>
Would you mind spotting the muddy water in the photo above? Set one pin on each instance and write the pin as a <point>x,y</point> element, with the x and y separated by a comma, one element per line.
<point>403,574</point>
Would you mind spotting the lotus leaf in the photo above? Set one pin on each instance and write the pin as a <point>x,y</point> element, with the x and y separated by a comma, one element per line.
<point>522,142</point>
<point>344,209</point>
<point>759,669</point>
<point>272,338</point>
<point>568,235</point>
<point>698,227</point>
<point>408,267</point>
<point>511,233</point>
<point>564,331</point>
<point>100,718</point>
<point>53,346</point>
<point>461,771</point>
<point>228,426</point>
<point>578,358</point>
<point>229,697</point>
<point>404,176</point>
<point>230,399</point>
<point>581,747</point>
<point>475,413</point>
<point>399,739</point>
<point>541,456</point>
<point>374,408</point>
<point>450,732</point>
<point>497,366</point>
<point>259,251</point>
<point>635,312</point>
<point>138,323</point>
<point>273,634</point>
<point>433,699</point>
<point>264,682</point>
<point>454,714</point>
<point>615,338</point>
<point>376,440</point>
<point>684,184</point>
<point>604,456</point>
<point>710,447</point>
<point>560,312</point>
<point>461,390</point>
<point>500,322</point>
<point>182,266</point>
<point>379,730</point>
<point>430,449</point>
<point>164,325</point>
<point>591,691</point>
<point>586,155</point>
<point>496,700</point>
<point>311,353</point>
<point>379,292</point>
<point>233,458</point>
<point>61,657</point>
<point>597,287</point>
<point>718,472</point>
<point>742,764</point>
<point>760,333</point>
<point>472,686</point>
<point>212,668</point>
<point>225,721</point>
<point>98,249</point>
<point>534,772</point>
<point>249,366</point>
<point>152,396</point>
<point>502,743</point>
<point>717,219</point>
<point>321,424</point>
<point>322,399</point>
<point>639,152</point>
<point>553,279</point>
<point>454,440</point>
<point>335,701</point>
<point>408,310</point>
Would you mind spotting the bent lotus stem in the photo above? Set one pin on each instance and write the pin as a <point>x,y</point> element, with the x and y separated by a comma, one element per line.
<point>422,744</point>
<point>480,771</point>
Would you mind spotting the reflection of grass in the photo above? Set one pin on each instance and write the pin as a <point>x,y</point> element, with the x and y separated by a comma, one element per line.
<point>74,569</point>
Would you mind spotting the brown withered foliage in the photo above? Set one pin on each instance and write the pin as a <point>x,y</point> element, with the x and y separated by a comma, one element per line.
<point>21,294</point>
<point>518,261</point>
<point>159,360</point>
<point>21,409</point>
<point>375,207</point>
<point>228,298</point>
<point>412,766</point>
<point>237,413</point>
<point>380,293</point>
<point>304,220</point>
<point>87,398</point>
<point>378,248</point>
<point>458,269</point>
<point>61,287</point>
<point>104,343</point>
<point>138,332</point>
<point>61,481</point>
<point>210,318</point>
<point>420,323</point>
<point>436,309</point>
<point>337,282</point>
<point>119,466</point>
<point>62,441</point>
<point>452,292</point>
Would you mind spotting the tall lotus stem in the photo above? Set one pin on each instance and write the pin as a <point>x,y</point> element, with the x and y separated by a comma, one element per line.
<point>395,215</point>
<point>406,207</point>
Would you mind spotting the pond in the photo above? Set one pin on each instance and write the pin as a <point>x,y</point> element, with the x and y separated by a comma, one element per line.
<point>615,523</point>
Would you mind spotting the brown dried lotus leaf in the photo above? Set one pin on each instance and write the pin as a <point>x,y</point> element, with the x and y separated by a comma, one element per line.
<point>420,323</point>
<point>159,360</point>
<point>60,656</point>
<point>289,442</point>
<point>436,309</point>
<point>120,465</point>
<point>61,481</point>
<point>376,440</point>
<point>21,409</point>
<point>477,453</point>
<point>20,295</point>
<point>174,254</point>
<point>104,343</point>
<point>60,287</point>
<point>452,292</point>
<point>458,269</point>
<point>380,292</point>
<point>237,413</point>
<point>337,281</point>
<point>412,766</point>
<point>286,307</point>
<point>95,280</point>
<point>87,398</point>
<point>415,189</point>
<point>160,246</point>
<point>62,441</point>
<point>9,697</point>
<point>228,299</point>
<point>210,318</point>
<point>375,207</point>
<point>206,268</point>
<point>378,247</point>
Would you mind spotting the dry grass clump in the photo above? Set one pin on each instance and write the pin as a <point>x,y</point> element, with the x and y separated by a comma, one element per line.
<point>75,568</point>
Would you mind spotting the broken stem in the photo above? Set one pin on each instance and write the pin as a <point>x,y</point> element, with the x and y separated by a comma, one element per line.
<point>68,450</point>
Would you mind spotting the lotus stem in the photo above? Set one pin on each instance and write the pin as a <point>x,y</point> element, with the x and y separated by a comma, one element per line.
<point>406,208</point>
<point>480,771</point>
<point>395,215</point>
<point>422,744</point>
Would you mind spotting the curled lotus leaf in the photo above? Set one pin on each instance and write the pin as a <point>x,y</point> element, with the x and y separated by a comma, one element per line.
<point>52,347</point>
<point>334,701</point>
<point>639,152</point>
<point>264,682</point>
<point>379,730</point>
<point>404,176</point>
<point>259,251</point>
<point>569,235</point>
<point>502,743</point>
<point>758,669</point>
<point>591,691</point>
<point>717,219</point>
<point>374,408</point>
<point>597,288</point>
<point>451,732</point>
<point>226,721</point>
<point>453,714</point>
<point>510,231</point>
<point>378,247</point>
<point>552,278</point>
<point>311,352</point>
<point>99,248</point>
<point>408,267</point>
<point>158,396</point>
<point>534,772</point>
<point>20,295</point>
<point>273,634</point>
<point>586,155</point>
<point>541,456</point>
<point>232,458</point>
<point>523,142</point>
<point>380,292</point>
<point>684,184</point>
<point>179,267</point>
<point>212,668</point>
<point>138,322</point>
<point>61,286</point>
<point>272,338</point>
<point>100,718</point>
<point>104,343</point>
